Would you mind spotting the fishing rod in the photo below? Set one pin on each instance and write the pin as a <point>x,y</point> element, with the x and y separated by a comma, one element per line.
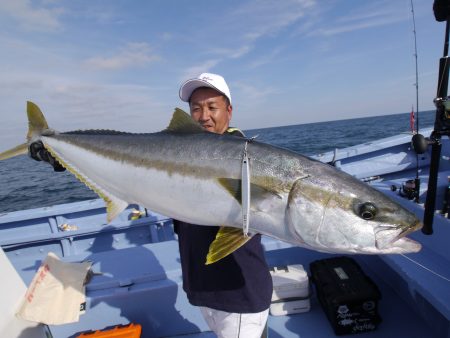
<point>441,9</point>
<point>417,68</point>
<point>417,179</point>
<point>411,188</point>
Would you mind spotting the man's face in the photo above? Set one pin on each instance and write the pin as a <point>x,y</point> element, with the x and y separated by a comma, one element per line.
<point>210,109</point>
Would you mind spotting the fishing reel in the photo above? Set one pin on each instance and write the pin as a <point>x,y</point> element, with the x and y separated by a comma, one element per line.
<point>441,126</point>
<point>442,123</point>
<point>408,190</point>
<point>441,9</point>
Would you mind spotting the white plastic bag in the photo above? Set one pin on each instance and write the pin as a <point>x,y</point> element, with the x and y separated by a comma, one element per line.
<point>11,294</point>
<point>56,292</point>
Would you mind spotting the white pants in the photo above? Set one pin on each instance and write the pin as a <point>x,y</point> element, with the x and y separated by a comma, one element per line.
<point>235,325</point>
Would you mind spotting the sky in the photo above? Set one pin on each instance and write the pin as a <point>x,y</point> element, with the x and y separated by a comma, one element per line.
<point>118,64</point>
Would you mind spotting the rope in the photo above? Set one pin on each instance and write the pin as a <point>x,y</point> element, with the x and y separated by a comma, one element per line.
<point>425,268</point>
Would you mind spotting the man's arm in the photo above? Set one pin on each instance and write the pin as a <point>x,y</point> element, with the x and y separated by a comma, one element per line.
<point>37,152</point>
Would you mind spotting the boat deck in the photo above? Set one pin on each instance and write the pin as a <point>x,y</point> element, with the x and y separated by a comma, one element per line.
<point>143,285</point>
<point>142,282</point>
<point>141,275</point>
<point>398,318</point>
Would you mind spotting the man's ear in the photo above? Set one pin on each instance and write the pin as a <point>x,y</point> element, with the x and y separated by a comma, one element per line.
<point>230,112</point>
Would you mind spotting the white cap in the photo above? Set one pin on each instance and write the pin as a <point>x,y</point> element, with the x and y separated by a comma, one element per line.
<point>210,80</point>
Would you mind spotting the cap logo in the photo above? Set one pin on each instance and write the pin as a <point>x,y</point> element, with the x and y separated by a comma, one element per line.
<point>206,78</point>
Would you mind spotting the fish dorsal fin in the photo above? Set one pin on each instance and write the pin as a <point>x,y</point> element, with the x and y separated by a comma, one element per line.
<point>227,241</point>
<point>182,122</point>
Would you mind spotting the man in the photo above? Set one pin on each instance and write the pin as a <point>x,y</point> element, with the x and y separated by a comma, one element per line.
<point>234,293</point>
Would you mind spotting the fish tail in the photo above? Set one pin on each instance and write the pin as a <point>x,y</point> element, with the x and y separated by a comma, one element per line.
<point>36,125</point>
<point>16,151</point>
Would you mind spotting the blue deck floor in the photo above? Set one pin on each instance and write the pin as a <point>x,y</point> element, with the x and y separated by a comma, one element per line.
<point>142,283</point>
<point>398,320</point>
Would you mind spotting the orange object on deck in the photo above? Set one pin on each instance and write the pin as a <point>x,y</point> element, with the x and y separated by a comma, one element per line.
<point>120,331</point>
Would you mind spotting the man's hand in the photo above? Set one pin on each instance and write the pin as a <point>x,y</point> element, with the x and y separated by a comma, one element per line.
<point>37,152</point>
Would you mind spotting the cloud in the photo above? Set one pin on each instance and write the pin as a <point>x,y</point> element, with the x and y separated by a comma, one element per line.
<point>70,105</point>
<point>373,15</point>
<point>134,54</point>
<point>196,70</point>
<point>40,17</point>
<point>98,13</point>
<point>376,22</point>
<point>266,58</point>
<point>166,36</point>
<point>253,93</point>
<point>106,105</point>
<point>261,18</point>
<point>241,28</point>
<point>232,53</point>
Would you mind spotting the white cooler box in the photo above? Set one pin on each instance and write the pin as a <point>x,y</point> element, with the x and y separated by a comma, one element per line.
<point>290,290</point>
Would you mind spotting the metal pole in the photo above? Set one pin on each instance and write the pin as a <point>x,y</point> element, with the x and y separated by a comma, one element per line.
<point>430,204</point>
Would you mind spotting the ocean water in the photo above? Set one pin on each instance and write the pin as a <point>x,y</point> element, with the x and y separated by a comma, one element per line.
<point>25,183</point>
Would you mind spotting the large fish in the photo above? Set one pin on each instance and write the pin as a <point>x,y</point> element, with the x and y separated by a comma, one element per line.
<point>189,174</point>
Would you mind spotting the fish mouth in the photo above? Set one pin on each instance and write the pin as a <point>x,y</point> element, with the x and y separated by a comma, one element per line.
<point>406,231</point>
<point>403,245</point>
<point>388,236</point>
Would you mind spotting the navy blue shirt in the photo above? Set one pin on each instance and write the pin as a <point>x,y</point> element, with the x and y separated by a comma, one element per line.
<point>239,283</point>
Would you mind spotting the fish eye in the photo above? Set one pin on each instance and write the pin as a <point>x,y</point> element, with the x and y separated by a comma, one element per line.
<point>367,211</point>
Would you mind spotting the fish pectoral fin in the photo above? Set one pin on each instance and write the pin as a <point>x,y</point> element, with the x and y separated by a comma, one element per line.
<point>257,192</point>
<point>114,206</point>
<point>227,241</point>
<point>16,151</point>
<point>233,186</point>
<point>182,122</point>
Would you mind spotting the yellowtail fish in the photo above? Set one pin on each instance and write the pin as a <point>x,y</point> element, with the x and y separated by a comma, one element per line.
<point>187,173</point>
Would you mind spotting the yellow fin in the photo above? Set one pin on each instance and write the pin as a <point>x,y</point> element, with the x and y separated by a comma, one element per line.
<point>232,130</point>
<point>182,122</point>
<point>227,241</point>
<point>36,120</point>
<point>36,125</point>
<point>114,205</point>
<point>19,150</point>
<point>234,187</point>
